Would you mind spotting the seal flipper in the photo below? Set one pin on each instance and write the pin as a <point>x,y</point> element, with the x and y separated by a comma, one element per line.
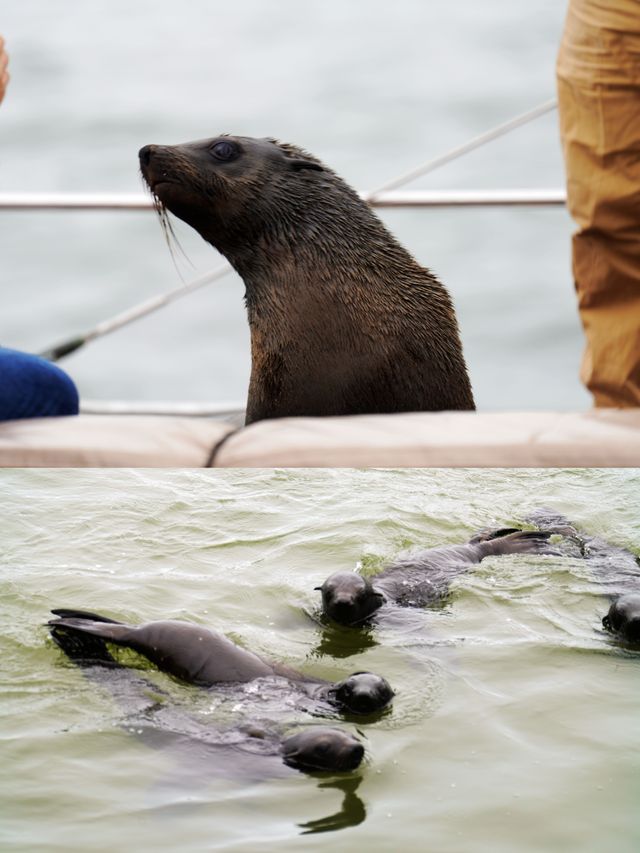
<point>83,614</point>
<point>519,542</point>
<point>486,535</point>
<point>83,622</point>
<point>82,649</point>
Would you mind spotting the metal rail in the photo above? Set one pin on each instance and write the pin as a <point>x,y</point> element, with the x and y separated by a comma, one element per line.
<point>399,198</point>
<point>169,409</point>
<point>469,198</point>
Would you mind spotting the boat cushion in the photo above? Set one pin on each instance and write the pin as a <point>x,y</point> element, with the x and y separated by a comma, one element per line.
<point>602,437</point>
<point>111,441</point>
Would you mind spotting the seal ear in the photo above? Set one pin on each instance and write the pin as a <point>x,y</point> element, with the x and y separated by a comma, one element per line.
<point>298,163</point>
<point>319,588</point>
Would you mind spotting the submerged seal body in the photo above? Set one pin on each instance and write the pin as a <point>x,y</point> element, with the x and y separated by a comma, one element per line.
<point>319,748</point>
<point>615,565</point>
<point>422,577</point>
<point>204,657</point>
<point>343,320</point>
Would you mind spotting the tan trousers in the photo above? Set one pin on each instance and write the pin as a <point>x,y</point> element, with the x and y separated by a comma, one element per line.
<point>598,74</point>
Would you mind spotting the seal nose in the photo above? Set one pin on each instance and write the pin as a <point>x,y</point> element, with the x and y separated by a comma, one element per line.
<point>355,756</point>
<point>146,153</point>
<point>364,703</point>
<point>632,629</point>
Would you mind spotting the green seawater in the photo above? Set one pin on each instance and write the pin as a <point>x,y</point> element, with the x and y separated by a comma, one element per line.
<point>515,724</point>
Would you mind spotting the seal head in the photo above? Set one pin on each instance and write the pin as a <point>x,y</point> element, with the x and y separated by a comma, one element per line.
<point>223,187</point>
<point>322,748</point>
<point>348,598</point>
<point>362,693</point>
<point>623,618</point>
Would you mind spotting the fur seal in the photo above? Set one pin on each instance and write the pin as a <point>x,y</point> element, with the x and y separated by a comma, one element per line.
<point>321,748</point>
<point>343,319</point>
<point>421,577</point>
<point>623,618</point>
<point>618,566</point>
<point>205,657</point>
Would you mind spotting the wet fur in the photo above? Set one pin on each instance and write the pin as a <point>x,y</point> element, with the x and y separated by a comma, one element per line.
<point>343,320</point>
<point>611,563</point>
<point>423,577</point>
<point>204,657</point>
<point>318,748</point>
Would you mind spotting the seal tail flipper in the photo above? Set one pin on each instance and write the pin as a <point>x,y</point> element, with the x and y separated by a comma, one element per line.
<point>486,535</point>
<point>521,542</point>
<point>83,614</point>
<point>82,649</point>
<point>82,622</point>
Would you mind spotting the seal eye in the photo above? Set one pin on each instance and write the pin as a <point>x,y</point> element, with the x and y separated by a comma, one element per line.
<point>224,151</point>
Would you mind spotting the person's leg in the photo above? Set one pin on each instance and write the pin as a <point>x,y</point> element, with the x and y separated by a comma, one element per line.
<point>598,76</point>
<point>31,387</point>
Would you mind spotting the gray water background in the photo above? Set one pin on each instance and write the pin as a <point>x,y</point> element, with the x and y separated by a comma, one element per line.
<point>515,725</point>
<point>371,87</point>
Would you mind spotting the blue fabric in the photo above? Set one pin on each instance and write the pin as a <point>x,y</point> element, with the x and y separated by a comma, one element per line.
<point>31,387</point>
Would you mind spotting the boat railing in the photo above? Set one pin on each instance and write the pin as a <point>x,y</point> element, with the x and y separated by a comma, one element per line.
<point>399,198</point>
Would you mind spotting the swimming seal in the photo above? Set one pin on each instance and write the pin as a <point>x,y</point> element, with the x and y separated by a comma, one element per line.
<point>422,577</point>
<point>320,748</point>
<point>623,618</point>
<point>205,657</point>
<point>343,320</point>
<point>614,564</point>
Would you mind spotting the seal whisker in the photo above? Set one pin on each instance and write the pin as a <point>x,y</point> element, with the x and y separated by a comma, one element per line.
<point>170,236</point>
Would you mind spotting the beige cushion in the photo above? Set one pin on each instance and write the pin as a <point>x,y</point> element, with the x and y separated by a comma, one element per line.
<point>603,437</point>
<point>117,441</point>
